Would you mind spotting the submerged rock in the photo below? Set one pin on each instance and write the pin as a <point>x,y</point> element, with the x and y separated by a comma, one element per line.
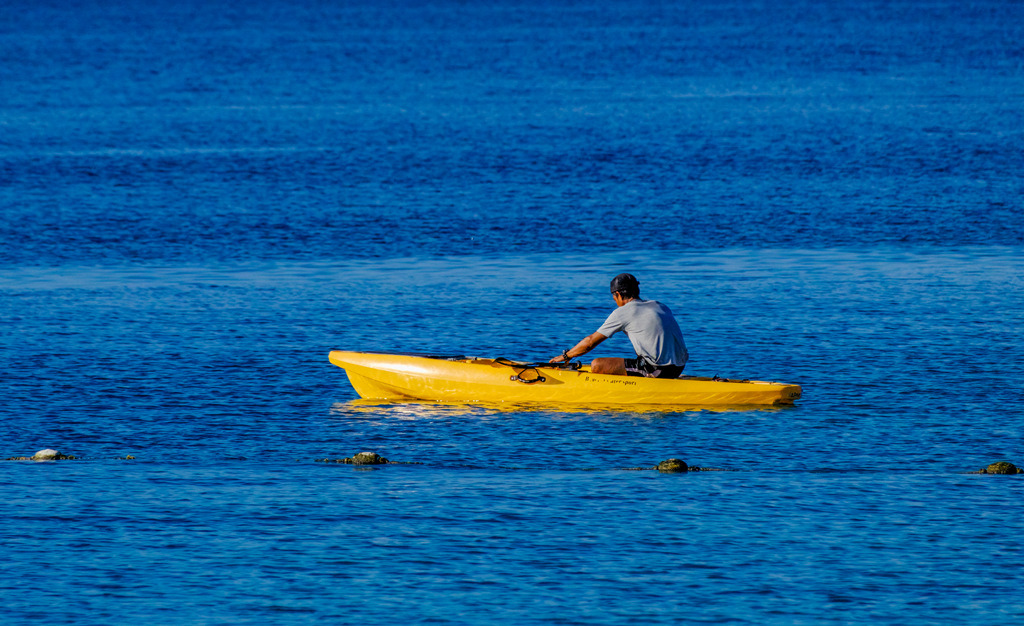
<point>43,455</point>
<point>1001,467</point>
<point>672,466</point>
<point>367,458</point>
<point>363,458</point>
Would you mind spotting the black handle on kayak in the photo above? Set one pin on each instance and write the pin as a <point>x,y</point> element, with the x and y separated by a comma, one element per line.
<point>519,377</point>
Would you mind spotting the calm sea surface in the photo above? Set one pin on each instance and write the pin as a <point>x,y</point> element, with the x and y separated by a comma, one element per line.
<point>199,200</point>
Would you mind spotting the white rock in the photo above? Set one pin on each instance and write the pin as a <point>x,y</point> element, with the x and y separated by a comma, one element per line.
<point>45,455</point>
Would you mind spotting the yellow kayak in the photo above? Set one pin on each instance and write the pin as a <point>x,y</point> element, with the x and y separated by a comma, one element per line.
<point>478,380</point>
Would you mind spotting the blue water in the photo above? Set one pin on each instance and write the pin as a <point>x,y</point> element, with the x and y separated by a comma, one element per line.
<point>198,200</point>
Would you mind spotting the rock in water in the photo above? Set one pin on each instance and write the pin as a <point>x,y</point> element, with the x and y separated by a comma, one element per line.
<point>672,466</point>
<point>43,455</point>
<point>1001,467</point>
<point>368,458</point>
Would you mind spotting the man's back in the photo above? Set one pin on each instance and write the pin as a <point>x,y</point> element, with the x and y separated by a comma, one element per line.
<point>652,330</point>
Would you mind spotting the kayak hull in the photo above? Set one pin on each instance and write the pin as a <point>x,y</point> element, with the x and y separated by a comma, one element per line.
<point>470,380</point>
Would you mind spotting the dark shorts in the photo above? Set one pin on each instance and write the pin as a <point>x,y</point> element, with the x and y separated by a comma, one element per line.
<point>639,367</point>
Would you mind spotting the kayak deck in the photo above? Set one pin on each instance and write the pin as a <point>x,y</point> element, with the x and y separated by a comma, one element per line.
<point>484,380</point>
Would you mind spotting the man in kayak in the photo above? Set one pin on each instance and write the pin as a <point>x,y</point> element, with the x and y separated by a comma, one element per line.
<point>654,333</point>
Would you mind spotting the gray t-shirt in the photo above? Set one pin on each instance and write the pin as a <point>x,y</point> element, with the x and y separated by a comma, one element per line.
<point>652,330</point>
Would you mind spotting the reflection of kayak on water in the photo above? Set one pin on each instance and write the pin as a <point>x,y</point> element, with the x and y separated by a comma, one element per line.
<point>466,379</point>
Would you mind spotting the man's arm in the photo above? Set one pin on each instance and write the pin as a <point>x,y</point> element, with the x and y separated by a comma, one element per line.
<point>587,344</point>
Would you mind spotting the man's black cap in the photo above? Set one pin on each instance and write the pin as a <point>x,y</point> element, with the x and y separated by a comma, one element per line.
<point>625,282</point>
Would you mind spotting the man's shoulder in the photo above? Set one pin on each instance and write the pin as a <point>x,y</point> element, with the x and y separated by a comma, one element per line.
<point>650,304</point>
<point>657,308</point>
